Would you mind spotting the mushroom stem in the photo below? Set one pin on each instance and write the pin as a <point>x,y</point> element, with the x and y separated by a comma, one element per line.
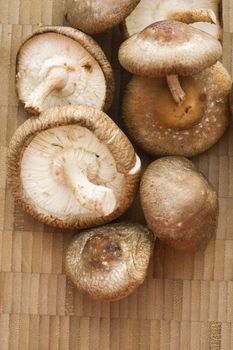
<point>55,79</point>
<point>96,198</point>
<point>192,16</point>
<point>177,92</point>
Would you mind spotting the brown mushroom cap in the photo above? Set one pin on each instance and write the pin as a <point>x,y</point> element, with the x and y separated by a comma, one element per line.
<point>72,167</point>
<point>109,262</point>
<point>179,204</point>
<point>161,127</point>
<point>203,14</point>
<point>167,48</point>
<point>97,16</point>
<point>61,65</point>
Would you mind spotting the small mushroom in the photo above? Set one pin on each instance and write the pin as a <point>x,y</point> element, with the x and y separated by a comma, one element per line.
<point>179,204</point>
<point>97,16</point>
<point>205,15</point>
<point>72,167</point>
<point>162,127</point>
<point>109,262</point>
<point>60,65</point>
<point>171,49</point>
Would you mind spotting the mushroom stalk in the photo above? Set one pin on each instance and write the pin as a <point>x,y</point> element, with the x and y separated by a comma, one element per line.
<point>192,16</point>
<point>55,79</point>
<point>177,92</point>
<point>96,198</point>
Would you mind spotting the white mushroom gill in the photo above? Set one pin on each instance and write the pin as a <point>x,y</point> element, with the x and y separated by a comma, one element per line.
<point>150,11</point>
<point>54,70</point>
<point>67,171</point>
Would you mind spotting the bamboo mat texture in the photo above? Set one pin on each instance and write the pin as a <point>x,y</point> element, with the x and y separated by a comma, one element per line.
<point>186,302</point>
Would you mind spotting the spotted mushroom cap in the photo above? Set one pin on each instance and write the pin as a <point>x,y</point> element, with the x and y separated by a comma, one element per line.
<point>71,60</point>
<point>111,261</point>
<point>97,16</point>
<point>161,127</point>
<point>72,167</point>
<point>179,204</point>
<point>167,48</point>
<point>203,14</point>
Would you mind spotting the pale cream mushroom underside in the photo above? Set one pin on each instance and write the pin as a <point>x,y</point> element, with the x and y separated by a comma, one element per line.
<point>73,167</point>
<point>203,14</point>
<point>60,65</point>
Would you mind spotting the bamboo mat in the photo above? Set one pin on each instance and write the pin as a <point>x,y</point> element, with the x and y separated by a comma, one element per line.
<point>186,301</point>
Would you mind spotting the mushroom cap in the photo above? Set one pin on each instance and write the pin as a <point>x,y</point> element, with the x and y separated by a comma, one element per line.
<point>90,76</point>
<point>143,107</point>
<point>169,47</point>
<point>179,204</point>
<point>97,16</point>
<point>109,262</point>
<point>150,11</point>
<point>85,138</point>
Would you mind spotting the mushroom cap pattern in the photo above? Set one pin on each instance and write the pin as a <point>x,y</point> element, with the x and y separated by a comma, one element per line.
<point>202,14</point>
<point>60,65</point>
<point>111,261</point>
<point>179,204</point>
<point>72,167</point>
<point>161,127</point>
<point>169,48</point>
<point>97,16</point>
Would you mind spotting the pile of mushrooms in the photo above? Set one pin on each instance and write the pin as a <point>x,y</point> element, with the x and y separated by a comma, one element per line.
<point>177,103</point>
<point>202,14</point>
<point>71,166</point>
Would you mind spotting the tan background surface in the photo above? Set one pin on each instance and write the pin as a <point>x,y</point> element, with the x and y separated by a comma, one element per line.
<point>187,300</point>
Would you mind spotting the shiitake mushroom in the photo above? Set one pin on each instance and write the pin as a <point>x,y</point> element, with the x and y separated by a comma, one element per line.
<point>96,16</point>
<point>58,66</point>
<point>177,103</point>
<point>111,261</point>
<point>202,14</point>
<point>179,203</point>
<point>72,167</point>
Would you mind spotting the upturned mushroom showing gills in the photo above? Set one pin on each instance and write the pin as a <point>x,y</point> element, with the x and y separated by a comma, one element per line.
<point>111,261</point>
<point>180,205</point>
<point>162,127</point>
<point>72,167</point>
<point>60,65</point>
<point>169,49</point>
<point>97,15</point>
<point>202,14</point>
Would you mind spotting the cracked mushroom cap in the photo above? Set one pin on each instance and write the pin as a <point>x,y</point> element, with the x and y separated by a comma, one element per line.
<point>203,14</point>
<point>179,204</point>
<point>72,167</point>
<point>97,16</point>
<point>169,48</point>
<point>109,262</point>
<point>162,127</point>
<point>60,65</point>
